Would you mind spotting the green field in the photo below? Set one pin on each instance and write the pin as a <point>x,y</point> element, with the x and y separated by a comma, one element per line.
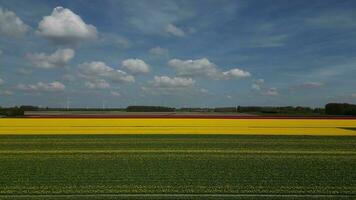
<point>177,166</point>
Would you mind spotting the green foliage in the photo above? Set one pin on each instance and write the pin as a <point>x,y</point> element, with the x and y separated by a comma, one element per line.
<point>149,109</point>
<point>340,109</point>
<point>179,164</point>
<point>12,112</point>
<point>271,109</point>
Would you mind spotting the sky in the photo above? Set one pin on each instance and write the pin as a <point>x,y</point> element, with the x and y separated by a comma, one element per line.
<point>196,53</point>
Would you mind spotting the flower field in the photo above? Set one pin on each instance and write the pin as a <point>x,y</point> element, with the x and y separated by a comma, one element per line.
<point>178,126</point>
<point>58,158</point>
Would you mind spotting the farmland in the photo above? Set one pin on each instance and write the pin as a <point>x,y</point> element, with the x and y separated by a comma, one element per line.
<point>179,158</point>
<point>244,126</point>
<point>232,166</point>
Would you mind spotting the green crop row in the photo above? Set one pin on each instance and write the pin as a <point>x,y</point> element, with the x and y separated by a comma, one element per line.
<point>57,165</point>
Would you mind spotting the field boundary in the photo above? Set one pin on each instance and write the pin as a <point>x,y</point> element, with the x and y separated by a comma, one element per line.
<point>195,151</point>
<point>178,116</point>
<point>179,195</point>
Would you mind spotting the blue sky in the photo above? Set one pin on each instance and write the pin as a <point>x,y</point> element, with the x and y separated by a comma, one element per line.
<point>177,53</point>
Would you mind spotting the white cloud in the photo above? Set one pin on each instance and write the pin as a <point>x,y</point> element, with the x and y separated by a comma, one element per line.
<point>257,84</point>
<point>353,95</point>
<point>203,67</point>
<point>59,58</point>
<point>136,66</point>
<point>228,96</point>
<point>42,87</point>
<point>97,69</point>
<point>158,51</point>
<point>164,85</point>
<point>1,81</point>
<point>175,82</point>
<point>10,24</point>
<point>199,67</point>
<point>175,31</point>
<point>271,92</point>
<point>64,26</point>
<point>97,84</point>
<point>115,94</point>
<point>236,74</point>
<point>6,93</point>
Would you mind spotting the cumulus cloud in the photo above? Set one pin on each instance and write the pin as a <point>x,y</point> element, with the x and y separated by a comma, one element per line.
<point>10,24</point>
<point>158,51</point>
<point>169,86</point>
<point>136,66</point>
<point>59,58</point>
<point>97,84</point>
<point>175,82</point>
<point>203,67</point>
<point>199,67</point>
<point>115,94</point>
<point>97,69</point>
<point>236,74</point>
<point>1,81</point>
<point>175,31</point>
<point>42,87</point>
<point>64,26</point>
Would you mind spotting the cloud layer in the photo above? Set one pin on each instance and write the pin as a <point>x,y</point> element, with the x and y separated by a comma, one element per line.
<point>42,87</point>
<point>175,82</point>
<point>97,84</point>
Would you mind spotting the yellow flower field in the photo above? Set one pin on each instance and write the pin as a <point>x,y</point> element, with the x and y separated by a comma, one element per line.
<point>179,126</point>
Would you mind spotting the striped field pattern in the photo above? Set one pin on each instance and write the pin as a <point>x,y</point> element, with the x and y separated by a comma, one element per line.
<point>261,126</point>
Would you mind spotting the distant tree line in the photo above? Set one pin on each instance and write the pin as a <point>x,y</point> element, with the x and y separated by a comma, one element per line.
<point>340,109</point>
<point>330,109</point>
<point>12,112</point>
<point>149,109</point>
<point>271,109</point>
<point>197,109</point>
